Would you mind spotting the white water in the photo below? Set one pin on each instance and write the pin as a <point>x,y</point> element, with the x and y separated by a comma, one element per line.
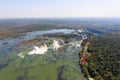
<point>56,45</point>
<point>76,44</point>
<point>44,49</point>
<point>21,55</point>
<point>39,50</point>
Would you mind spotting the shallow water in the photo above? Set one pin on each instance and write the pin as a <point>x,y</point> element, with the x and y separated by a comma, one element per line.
<point>12,42</point>
<point>69,57</point>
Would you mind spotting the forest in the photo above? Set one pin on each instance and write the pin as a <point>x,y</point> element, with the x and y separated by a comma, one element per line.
<point>104,60</point>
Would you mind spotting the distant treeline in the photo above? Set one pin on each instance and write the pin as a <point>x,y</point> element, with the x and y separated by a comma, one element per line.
<point>16,28</point>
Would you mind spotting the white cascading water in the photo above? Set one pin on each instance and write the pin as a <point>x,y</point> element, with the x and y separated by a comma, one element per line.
<point>21,55</point>
<point>44,49</point>
<point>39,50</point>
<point>56,45</point>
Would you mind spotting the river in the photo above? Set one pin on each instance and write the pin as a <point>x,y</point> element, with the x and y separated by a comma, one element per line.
<point>66,65</point>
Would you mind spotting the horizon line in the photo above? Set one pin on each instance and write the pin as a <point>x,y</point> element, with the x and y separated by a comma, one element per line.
<point>62,18</point>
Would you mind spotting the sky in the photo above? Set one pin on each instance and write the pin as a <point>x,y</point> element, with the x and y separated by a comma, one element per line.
<point>59,8</point>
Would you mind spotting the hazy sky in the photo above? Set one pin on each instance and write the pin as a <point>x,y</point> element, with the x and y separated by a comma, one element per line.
<point>59,8</point>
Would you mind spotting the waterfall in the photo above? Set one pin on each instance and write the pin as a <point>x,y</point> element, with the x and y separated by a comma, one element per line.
<point>44,49</point>
<point>21,55</point>
<point>56,45</point>
<point>39,50</point>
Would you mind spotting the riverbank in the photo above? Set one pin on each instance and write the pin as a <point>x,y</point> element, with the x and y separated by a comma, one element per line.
<point>84,54</point>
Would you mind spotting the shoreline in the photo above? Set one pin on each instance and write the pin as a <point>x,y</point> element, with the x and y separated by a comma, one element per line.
<point>83,55</point>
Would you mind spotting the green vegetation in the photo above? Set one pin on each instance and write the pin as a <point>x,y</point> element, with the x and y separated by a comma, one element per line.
<point>20,28</point>
<point>65,37</point>
<point>29,41</point>
<point>12,34</point>
<point>104,62</point>
<point>54,65</point>
<point>15,28</point>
